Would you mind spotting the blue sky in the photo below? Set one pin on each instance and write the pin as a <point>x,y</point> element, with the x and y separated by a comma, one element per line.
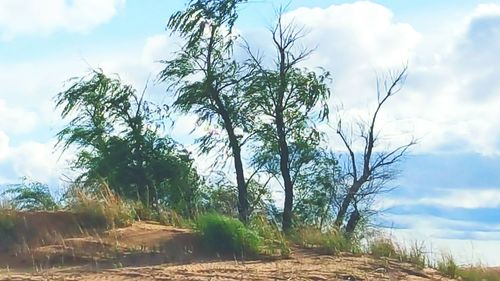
<point>449,188</point>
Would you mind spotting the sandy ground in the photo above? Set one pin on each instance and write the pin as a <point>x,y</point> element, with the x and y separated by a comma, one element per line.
<point>300,267</point>
<point>148,251</point>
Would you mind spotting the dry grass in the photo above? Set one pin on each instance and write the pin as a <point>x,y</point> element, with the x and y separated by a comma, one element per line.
<point>104,209</point>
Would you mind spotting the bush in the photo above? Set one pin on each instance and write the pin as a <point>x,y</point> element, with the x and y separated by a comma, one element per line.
<point>227,236</point>
<point>330,242</point>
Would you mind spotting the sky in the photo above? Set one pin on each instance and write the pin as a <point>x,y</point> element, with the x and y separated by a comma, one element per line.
<point>449,188</point>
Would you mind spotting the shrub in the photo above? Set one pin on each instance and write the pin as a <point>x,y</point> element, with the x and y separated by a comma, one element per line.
<point>227,236</point>
<point>330,242</point>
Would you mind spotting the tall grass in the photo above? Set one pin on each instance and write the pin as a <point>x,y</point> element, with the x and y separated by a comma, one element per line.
<point>103,209</point>
<point>274,242</point>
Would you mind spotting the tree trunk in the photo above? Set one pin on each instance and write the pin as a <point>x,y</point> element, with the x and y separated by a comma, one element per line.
<point>243,207</point>
<point>240,180</point>
<point>346,203</point>
<point>285,173</point>
<point>352,222</point>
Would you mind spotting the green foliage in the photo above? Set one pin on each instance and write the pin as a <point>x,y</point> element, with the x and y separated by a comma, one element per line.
<point>227,236</point>
<point>329,242</point>
<point>317,187</point>
<point>31,196</point>
<point>117,138</point>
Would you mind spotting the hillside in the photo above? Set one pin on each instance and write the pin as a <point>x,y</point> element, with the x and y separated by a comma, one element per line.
<point>57,246</point>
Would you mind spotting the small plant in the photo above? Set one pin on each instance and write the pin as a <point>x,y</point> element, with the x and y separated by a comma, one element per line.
<point>227,236</point>
<point>447,266</point>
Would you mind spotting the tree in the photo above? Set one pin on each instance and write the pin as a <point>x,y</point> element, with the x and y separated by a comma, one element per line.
<point>290,101</point>
<point>370,174</point>
<point>31,196</point>
<point>208,82</point>
<point>118,143</point>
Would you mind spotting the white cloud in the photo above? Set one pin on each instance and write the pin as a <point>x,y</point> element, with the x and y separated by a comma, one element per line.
<point>16,119</point>
<point>451,99</point>
<point>38,161</point>
<point>35,17</point>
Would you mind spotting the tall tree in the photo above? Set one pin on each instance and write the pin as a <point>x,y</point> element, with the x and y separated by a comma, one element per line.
<point>207,80</point>
<point>370,174</point>
<point>290,101</point>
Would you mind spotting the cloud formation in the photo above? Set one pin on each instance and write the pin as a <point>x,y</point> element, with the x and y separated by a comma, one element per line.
<point>451,98</point>
<point>34,17</point>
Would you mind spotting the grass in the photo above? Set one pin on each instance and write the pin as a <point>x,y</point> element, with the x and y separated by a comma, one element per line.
<point>274,243</point>
<point>387,248</point>
<point>330,242</point>
<point>449,268</point>
<point>227,236</point>
<point>106,209</point>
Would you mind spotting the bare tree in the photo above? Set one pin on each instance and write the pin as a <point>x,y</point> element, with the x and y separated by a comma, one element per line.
<point>370,174</point>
